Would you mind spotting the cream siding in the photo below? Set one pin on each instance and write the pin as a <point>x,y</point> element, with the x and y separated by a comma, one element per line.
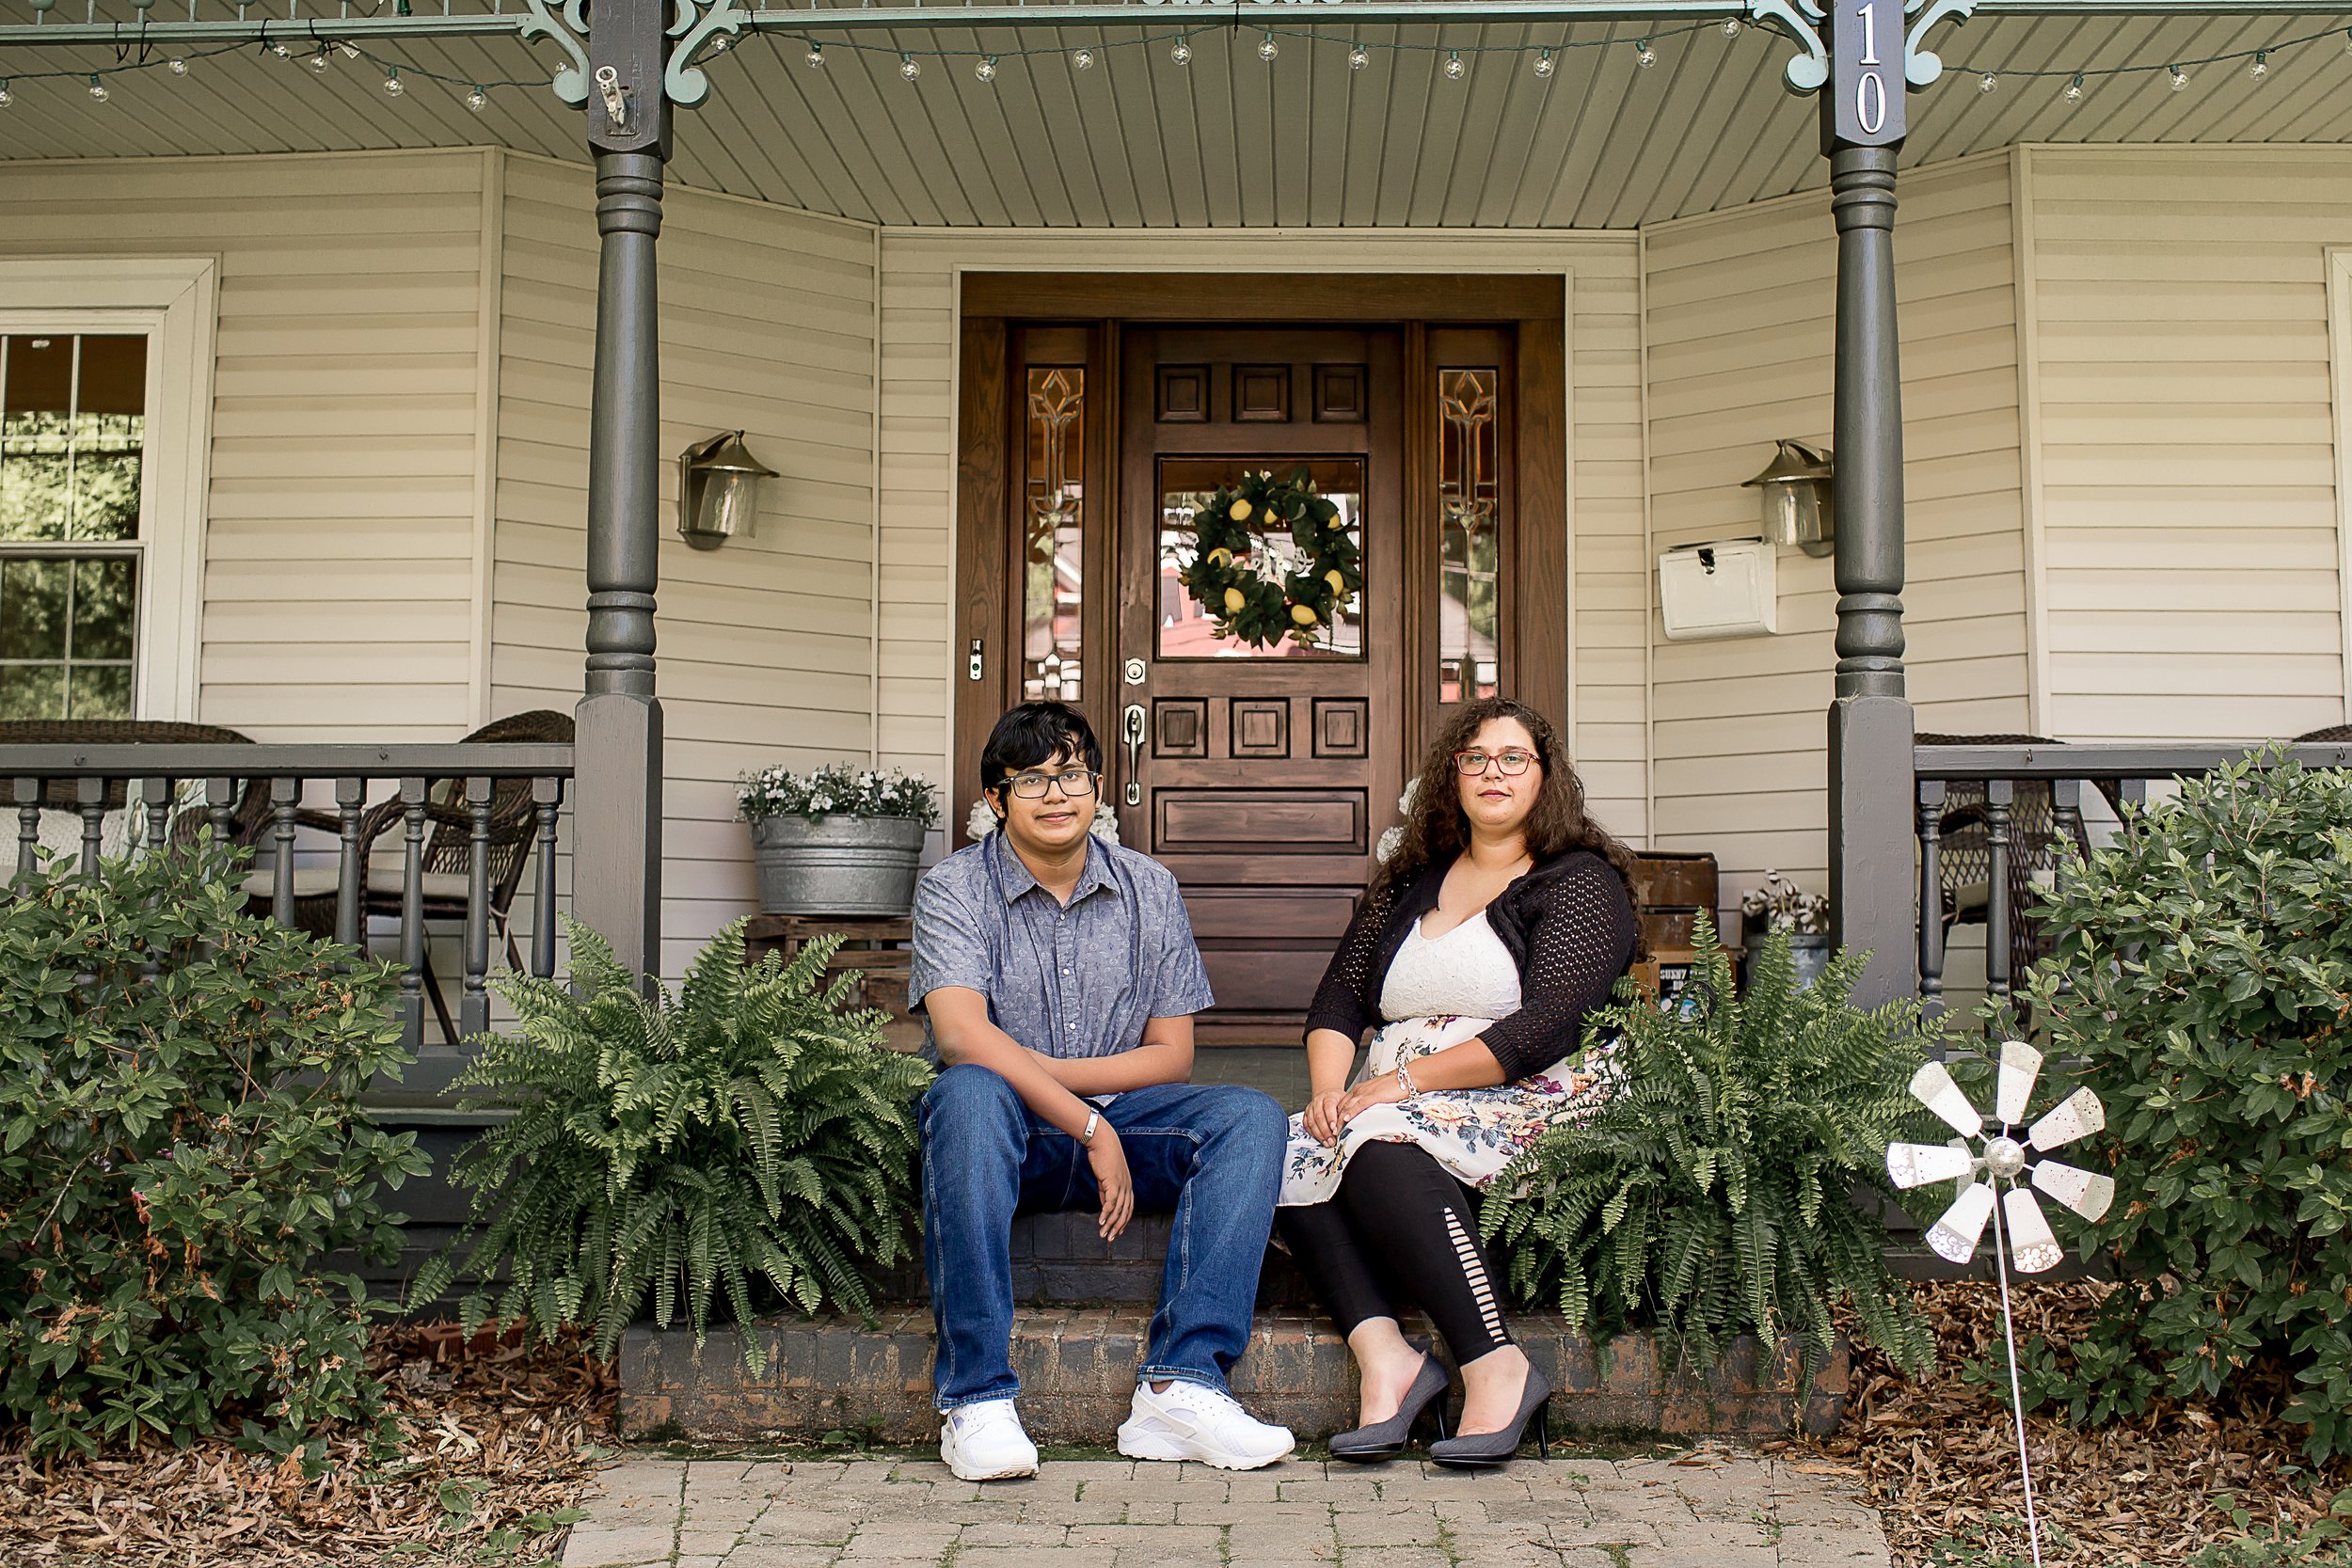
<point>766,646</point>
<point>341,548</point>
<point>1740,328</point>
<point>2187,465</point>
<point>919,285</point>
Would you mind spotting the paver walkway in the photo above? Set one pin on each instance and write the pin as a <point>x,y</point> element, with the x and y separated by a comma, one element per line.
<point>1715,1508</point>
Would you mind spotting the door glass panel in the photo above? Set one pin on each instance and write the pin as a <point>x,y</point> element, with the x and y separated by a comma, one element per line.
<point>1469,522</point>
<point>1186,628</point>
<point>1054,518</point>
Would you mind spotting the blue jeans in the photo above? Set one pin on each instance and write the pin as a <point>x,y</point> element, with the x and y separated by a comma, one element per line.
<point>1213,1153</point>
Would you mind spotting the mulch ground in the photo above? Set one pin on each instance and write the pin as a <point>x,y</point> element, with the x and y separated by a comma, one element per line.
<point>496,1443</point>
<point>1940,1456</point>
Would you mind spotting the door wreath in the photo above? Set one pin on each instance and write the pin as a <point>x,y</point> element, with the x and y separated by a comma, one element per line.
<point>1242,598</point>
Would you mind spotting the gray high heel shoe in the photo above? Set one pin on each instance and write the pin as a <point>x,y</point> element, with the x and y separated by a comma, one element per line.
<point>1490,1449</point>
<point>1386,1439</point>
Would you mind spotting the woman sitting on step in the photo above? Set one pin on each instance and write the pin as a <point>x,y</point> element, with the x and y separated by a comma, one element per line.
<point>1500,920</point>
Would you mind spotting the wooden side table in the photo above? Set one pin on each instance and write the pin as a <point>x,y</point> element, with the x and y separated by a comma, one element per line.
<point>880,950</point>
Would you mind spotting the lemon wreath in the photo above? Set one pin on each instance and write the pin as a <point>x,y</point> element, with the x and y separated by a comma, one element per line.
<point>1244,601</point>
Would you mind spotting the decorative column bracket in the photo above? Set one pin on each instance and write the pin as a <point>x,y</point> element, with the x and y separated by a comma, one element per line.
<point>702,27</point>
<point>1799,21</point>
<point>567,25</point>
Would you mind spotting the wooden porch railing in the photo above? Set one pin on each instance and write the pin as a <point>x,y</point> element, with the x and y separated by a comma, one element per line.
<point>466,822</point>
<point>2012,809</point>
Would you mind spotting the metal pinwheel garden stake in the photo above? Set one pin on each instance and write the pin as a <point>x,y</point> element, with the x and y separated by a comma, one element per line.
<point>2004,1161</point>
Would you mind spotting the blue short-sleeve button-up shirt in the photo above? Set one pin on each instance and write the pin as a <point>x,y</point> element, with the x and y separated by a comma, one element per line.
<point>1071,980</point>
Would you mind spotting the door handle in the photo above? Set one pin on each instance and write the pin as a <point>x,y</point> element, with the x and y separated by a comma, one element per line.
<point>1132,721</point>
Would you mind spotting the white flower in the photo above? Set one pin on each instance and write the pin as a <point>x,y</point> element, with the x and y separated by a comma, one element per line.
<point>1105,824</point>
<point>820,802</point>
<point>1383,851</point>
<point>981,823</point>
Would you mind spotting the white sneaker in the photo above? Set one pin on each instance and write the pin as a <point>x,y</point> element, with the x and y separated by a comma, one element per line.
<point>984,1442</point>
<point>1195,1421</point>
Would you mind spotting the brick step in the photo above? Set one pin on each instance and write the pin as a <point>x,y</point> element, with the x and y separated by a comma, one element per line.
<point>1077,1366</point>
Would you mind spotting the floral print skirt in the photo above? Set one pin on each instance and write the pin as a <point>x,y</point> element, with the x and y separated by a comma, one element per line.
<point>1472,1133</point>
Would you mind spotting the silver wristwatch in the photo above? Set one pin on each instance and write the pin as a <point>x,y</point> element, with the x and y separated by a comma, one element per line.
<point>1085,1135</point>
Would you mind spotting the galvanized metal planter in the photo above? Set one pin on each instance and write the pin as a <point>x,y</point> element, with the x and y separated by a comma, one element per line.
<point>844,865</point>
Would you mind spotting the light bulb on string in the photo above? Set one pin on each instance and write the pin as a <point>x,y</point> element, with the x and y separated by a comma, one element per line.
<point>986,69</point>
<point>2260,67</point>
<point>394,86</point>
<point>908,68</point>
<point>477,100</point>
<point>98,93</point>
<point>816,55</point>
<point>2347,40</point>
<point>176,65</point>
<point>2180,77</point>
<point>1544,66</point>
<point>1267,49</point>
<point>721,43</point>
<point>1182,53</point>
<point>1083,60</point>
<point>1453,66</point>
<point>1732,27</point>
<point>2074,94</point>
<point>7,97</point>
<point>1644,55</point>
<point>281,50</point>
<point>1358,58</point>
<point>1989,83</point>
<point>320,61</point>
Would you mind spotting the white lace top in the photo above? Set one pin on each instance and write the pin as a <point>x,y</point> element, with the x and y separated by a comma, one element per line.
<point>1467,973</point>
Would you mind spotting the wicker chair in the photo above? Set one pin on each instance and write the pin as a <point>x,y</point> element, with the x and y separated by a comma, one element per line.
<point>2035,832</point>
<point>2333,735</point>
<point>248,817</point>
<point>448,859</point>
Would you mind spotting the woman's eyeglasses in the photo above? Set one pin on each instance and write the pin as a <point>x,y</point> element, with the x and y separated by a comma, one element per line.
<point>1075,784</point>
<point>1512,763</point>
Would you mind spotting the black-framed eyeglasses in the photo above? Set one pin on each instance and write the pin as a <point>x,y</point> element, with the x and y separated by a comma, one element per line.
<point>1076,785</point>
<point>1511,762</point>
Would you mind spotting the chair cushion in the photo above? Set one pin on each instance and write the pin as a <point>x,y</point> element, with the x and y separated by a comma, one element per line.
<point>319,881</point>
<point>383,882</point>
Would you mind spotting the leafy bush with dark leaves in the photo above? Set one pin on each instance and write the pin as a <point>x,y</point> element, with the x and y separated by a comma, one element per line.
<point>2202,973</point>
<point>750,1128</point>
<point>182,1144</point>
<point>1711,1191</point>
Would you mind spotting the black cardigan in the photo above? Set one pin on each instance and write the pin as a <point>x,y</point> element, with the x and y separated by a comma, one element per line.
<point>1568,924</point>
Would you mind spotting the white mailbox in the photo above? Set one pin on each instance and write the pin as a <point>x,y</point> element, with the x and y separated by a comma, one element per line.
<point>1725,589</point>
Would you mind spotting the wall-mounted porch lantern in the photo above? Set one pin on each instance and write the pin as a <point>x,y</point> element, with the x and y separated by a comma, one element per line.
<point>1796,498</point>
<point>718,491</point>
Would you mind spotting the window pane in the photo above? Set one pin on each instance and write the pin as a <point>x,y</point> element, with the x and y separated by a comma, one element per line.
<point>33,609</point>
<point>1186,628</point>
<point>1053,552</point>
<point>73,426</point>
<point>99,692</point>
<point>32,690</point>
<point>39,394</point>
<point>35,499</point>
<point>1469,524</point>
<point>105,600</point>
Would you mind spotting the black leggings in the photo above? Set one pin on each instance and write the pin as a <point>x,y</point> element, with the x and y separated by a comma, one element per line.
<point>1400,1225</point>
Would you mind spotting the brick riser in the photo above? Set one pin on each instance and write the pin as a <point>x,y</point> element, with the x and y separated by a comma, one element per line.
<point>1076,1367</point>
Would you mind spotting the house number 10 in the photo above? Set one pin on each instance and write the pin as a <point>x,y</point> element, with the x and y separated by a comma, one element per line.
<point>1866,109</point>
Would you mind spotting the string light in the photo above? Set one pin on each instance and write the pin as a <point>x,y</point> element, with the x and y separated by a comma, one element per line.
<point>1358,58</point>
<point>98,93</point>
<point>1644,55</point>
<point>1267,49</point>
<point>986,69</point>
<point>2260,67</point>
<point>1543,66</point>
<point>7,97</point>
<point>2180,77</point>
<point>2074,94</point>
<point>394,86</point>
<point>721,43</point>
<point>1453,66</point>
<point>178,65</point>
<point>477,100</point>
<point>1732,27</point>
<point>816,55</point>
<point>1083,60</point>
<point>320,61</point>
<point>1182,53</point>
<point>1989,83</point>
<point>281,50</point>
<point>908,68</point>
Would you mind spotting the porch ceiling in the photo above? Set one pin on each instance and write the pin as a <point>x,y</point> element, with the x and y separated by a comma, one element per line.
<point>1230,141</point>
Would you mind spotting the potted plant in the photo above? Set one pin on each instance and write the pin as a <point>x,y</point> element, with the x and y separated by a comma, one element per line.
<point>1781,906</point>
<point>842,840</point>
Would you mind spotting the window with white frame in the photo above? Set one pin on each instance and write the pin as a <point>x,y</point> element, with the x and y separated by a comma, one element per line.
<point>106,392</point>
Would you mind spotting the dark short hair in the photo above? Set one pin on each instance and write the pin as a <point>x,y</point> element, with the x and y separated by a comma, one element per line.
<point>1036,733</point>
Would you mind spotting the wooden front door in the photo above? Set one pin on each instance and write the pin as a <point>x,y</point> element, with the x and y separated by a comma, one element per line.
<point>1093,409</point>
<point>1262,776</point>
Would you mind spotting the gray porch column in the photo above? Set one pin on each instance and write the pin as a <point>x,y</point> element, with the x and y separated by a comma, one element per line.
<point>616,852</point>
<point>1871,884</point>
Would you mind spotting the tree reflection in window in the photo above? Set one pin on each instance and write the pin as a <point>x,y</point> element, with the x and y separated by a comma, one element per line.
<point>1053,561</point>
<point>1469,522</point>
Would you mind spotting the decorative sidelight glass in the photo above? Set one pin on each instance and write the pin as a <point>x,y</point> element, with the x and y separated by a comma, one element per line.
<point>72,437</point>
<point>1470,527</point>
<point>1186,484</point>
<point>1054,521</point>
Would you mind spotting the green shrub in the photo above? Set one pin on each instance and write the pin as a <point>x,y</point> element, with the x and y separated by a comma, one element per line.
<point>2202,973</point>
<point>181,1146</point>
<point>1712,1192</point>
<point>677,1148</point>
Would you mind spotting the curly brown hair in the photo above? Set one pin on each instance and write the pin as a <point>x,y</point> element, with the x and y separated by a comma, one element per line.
<point>1436,830</point>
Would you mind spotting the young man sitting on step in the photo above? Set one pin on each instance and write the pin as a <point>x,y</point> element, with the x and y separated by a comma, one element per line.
<point>1057,978</point>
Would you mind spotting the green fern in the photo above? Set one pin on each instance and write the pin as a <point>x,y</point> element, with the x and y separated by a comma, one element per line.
<point>678,1148</point>
<point>1731,1182</point>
